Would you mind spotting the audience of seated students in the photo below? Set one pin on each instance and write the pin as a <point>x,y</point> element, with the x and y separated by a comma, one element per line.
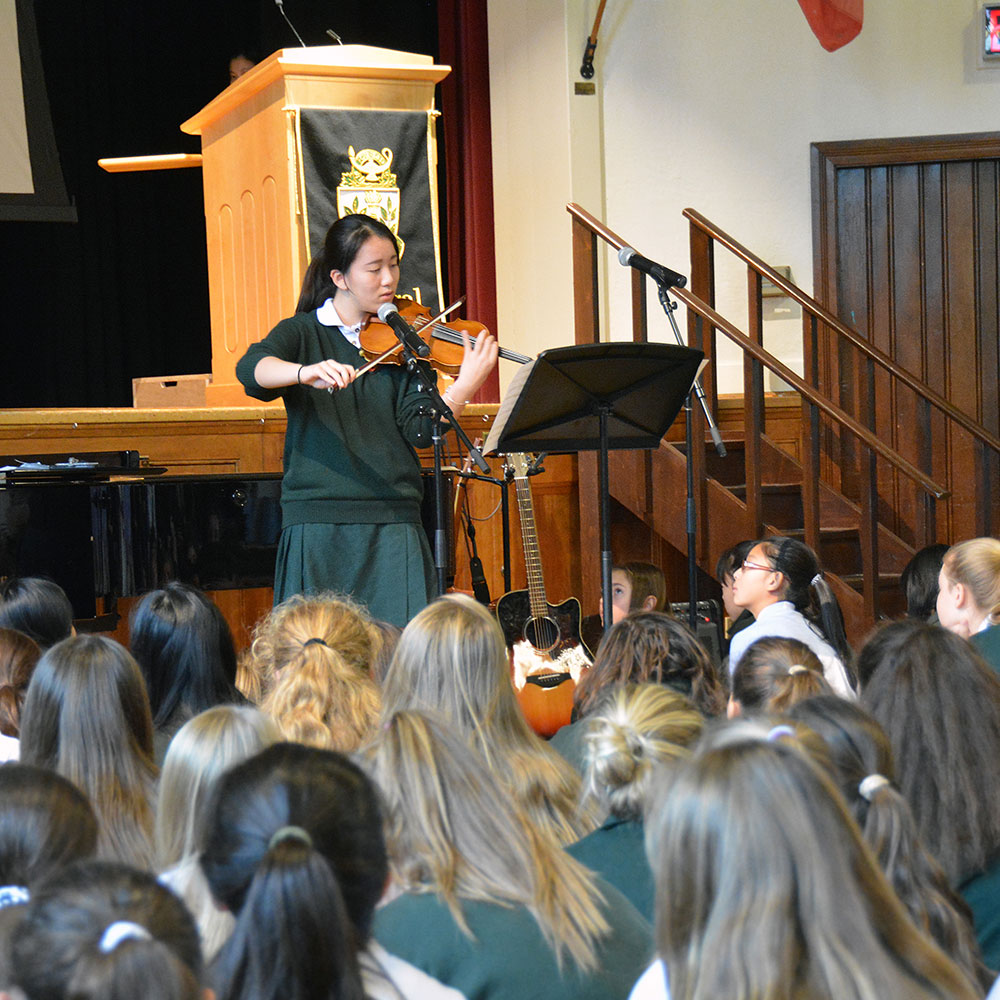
<point>968,601</point>
<point>295,850</point>
<point>19,655</point>
<point>635,730</point>
<point>859,756</point>
<point>725,570</point>
<point>773,675</point>
<point>185,650</point>
<point>488,903</point>
<point>939,704</point>
<point>781,584</point>
<point>482,900</point>
<point>103,930</point>
<point>45,823</point>
<point>452,659</point>
<point>646,646</point>
<point>37,607</point>
<point>919,582</point>
<point>764,887</point>
<point>203,748</point>
<point>86,716</point>
<point>315,655</point>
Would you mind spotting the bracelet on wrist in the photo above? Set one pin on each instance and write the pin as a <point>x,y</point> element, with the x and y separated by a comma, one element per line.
<point>451,399</point>
<point>298,374</point>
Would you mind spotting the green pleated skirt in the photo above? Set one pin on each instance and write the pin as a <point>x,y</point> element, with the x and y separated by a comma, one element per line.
<point>386,567</point>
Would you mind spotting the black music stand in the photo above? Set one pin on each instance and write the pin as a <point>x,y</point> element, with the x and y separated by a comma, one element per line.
<point>595,397</point>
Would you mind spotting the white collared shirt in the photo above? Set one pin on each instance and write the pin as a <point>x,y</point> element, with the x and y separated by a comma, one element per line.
<point>782,620</point>
<point>328,316</point>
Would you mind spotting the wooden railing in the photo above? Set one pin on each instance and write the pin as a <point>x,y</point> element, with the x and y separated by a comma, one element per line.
<point>705,235</point>
<point>588,232</point>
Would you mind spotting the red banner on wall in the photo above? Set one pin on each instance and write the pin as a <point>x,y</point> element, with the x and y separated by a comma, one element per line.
<point>834,22</point>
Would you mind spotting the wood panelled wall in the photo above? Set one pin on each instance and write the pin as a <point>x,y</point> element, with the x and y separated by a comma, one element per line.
<point>907,252</point>
<point>200,441</point>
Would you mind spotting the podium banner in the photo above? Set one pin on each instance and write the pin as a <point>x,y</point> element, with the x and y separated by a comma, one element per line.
<point>377,163</point>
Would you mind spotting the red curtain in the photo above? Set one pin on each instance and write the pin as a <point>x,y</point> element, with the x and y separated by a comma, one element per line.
<point>834,22</point>
<point>468,160</point>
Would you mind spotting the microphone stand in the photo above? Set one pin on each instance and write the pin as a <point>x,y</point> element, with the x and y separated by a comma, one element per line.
<point>442,414</point>
<point>691,516</point>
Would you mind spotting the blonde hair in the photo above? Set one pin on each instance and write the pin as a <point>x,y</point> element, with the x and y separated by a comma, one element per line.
<point>766,889</point>
<point>452,659</point>
<point>976,565</point>
<point>454,830</point>
<point>635,730</point>
<point>203,748</point>
<point>316,653</point>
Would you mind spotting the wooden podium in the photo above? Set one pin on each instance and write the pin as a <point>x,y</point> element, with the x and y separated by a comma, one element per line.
<point>258,247</point>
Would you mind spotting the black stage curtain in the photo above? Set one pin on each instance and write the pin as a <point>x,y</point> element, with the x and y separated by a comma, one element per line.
<point>123,292</point>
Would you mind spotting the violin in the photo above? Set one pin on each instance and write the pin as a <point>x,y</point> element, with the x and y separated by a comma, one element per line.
<point>380,345</point>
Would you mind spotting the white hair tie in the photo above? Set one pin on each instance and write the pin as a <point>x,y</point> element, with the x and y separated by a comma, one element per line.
<point>797,668</point>
<point>870,785</point>
<point>122,930</point>
<point>13,895</point>
<point>778,731</point>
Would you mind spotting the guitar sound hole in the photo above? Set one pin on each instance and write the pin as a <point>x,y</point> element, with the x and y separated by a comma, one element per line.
<point>542,633</point>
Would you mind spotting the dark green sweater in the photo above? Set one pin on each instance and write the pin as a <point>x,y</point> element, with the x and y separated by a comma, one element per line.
<point>349,455</point>
<point>508,959</point>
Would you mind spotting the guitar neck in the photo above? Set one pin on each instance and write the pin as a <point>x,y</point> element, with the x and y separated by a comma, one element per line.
<point>529,536</point>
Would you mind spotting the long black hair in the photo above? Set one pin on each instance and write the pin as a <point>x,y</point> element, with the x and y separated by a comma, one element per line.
<point>185,651</point>
<point>38,607</point>
<point>296,852</point>
<point>343,241</point>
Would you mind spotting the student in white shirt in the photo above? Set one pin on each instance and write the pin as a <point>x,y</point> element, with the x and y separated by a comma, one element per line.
<point>781,584</point>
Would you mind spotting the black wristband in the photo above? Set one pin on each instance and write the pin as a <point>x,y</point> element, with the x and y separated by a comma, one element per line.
<point>298,374</point>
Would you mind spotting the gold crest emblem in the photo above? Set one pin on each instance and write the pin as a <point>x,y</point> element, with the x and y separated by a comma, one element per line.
<point>369,188</point>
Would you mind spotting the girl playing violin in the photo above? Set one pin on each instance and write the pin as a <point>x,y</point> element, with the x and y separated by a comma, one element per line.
<point>351,492</point>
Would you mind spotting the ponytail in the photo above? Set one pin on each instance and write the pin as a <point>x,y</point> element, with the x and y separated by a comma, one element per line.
<point>138,967</point>
<point>292,901</point>
<point>919,881</point>
<point>776,673</point>
<point>317,285</point>
<point>323,700</point>
<point>831,623</point>
<point>103,931</point>
<point>859,755</point>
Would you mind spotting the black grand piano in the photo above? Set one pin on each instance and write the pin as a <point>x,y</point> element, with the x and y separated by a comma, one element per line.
<point>104,525</point>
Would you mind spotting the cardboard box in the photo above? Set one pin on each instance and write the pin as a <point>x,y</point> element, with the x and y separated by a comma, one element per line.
<point>168,391</point>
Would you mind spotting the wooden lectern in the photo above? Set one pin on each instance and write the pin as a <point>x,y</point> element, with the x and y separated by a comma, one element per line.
<point>258,247</point>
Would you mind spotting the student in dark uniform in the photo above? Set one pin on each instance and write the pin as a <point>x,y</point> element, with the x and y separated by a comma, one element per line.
<point>351,493</point>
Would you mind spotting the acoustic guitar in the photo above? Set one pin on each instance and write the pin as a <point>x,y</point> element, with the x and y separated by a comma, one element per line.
<point>547,655</point>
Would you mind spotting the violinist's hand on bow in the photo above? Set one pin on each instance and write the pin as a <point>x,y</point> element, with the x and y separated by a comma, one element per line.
<point>328,374</point>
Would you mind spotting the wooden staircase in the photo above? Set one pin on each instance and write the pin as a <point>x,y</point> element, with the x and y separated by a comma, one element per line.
<point>842,506</point>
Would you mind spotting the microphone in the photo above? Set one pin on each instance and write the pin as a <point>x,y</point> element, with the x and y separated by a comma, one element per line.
<point>389,315</point>
<point>280,4</point>
<point>660,274</point>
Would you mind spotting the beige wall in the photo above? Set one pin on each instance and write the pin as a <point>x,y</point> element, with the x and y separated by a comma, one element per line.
<point>694,111</point>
